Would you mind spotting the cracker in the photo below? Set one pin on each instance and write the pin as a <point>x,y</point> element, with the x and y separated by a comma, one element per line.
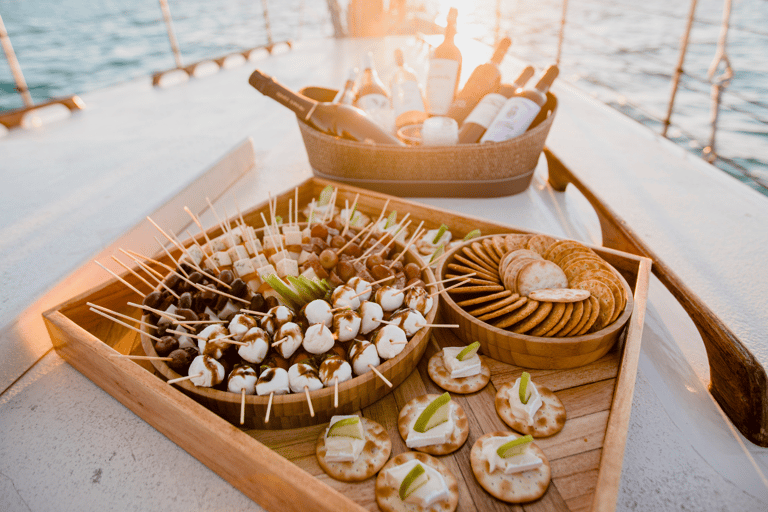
<point>504,310</point>
<point>534,319</point>
<point>603,294</point>
<point>469,270</point>
<point>578,265</point>
<point>409,413</point>
<point>551,320</point>
<point>388,498</point>
<point>614,283</point>
<point>503,303</point>
<point>576,314</point>
<point>441,376</point>
<point>470,280</point>
<point>518,314</point>
<point>378,447</point>
<point>476,289</point>
<point>593,315</point>
<point>510,274</point>
<point>586,315</point>
<point>484,298</point>
<point>569,255</point>
<point>555,249</point>
<point>515,488</point>
<point>567,314</point>
<point>548,420</point>
<point>539,243</point>
<point>559,294</point>
<point>474,266</point>
<point>477,254</point>
<point>498,244</point>
<point>490,250</point>
<point>516,241</point>
<point>539,274</point>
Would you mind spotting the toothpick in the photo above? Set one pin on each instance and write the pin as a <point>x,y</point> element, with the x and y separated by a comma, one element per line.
<point>136,274</point>
<point>126,283</point>
<point>198,267</point>
<point>197,221</point>
<point>429,264</point>
<point>269,407</point>
<point>197,322</point>
<point>198,337</point>
<point>451,326</point>
<point>296,205</point>
<point>311,213</point>
<point>385,250</point>
<point>350,213</point>
<point>188,377</point>
<point>366,228</point>
<point>151,272</point>
<point>381,216</point>
<point>216,215</point>
<point>120,315</point>
<point>170,316</point>
<point>162,232</point>
<point>251,312</point>
<point>142,358</point>
<point>174,260</point>
<point>242,406</point>
<point>309,402</point>
<point>281,340</point>
<point>101,313</point>
<point>449,288</point>
<point>414,237</point>
<point>378,373</point>
<point>335,392</point>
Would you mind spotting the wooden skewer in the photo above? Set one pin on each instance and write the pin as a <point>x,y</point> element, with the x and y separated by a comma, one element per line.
<point>194,241</point>
<point>335,392</point>
<point>281,340</point>
<point>198,267</point>
<point>346,222</point>
<point>453,326</point>
<point>126,283</point>
<point>242,406</point>
<point>99,312</point>
<point>170,316</point>
<point>449,288</point>
<point>296,205</point>
<point>147,358</point>
<point>151,272</point>
<point>162,232</point>
<point>366,228</point>
<point>438,282</point>
<point>251,312</point>
<point>309,402</point>
<point>218,219</point>
<point>395,235</point>
<point>414,237</point>
<point>129,269</point>
<point>349,214</point>
<point>120,315</point>
<point>378,374</point>
<point>197,221</point>
<point>381,216</point>
<point>188,377</point>
<point>429,264</point>
<point>197,322</point>
<point>269,407</point>
<point>197,337</point>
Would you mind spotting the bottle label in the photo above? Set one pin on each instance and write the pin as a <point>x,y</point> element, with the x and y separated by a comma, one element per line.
<point>485,111</point>
<point>406,96</point>
<point>373,102</point>
<point>441,85</point>
<point>515,117</point>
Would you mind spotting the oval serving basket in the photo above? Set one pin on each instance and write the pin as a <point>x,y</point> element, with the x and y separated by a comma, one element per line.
<point>465,170</point>
<point>547,353</point>
<point>292,410</point>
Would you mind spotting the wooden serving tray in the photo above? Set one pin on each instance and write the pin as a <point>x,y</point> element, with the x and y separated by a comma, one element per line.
<point>273,467</point>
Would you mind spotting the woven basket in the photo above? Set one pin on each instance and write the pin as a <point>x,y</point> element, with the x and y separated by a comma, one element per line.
<point>464,170</point>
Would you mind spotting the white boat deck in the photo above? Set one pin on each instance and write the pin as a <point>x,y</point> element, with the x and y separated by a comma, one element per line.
<point>73,190</point>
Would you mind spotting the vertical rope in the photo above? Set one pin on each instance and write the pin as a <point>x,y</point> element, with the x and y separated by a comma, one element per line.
<point>267,25</point>
<point>679,70</point>
<point>171,34</point>
<point>561,36</point>
<point>18,76</point>
<point>721,81</point>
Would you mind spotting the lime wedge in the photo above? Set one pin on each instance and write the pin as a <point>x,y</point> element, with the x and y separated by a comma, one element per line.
<point>347,427</point>
<point>435,413</point>
<point>391,219</point>
<point>438,252</point>
<point>325,196</point>
<point>440,233</point>
<point>290,297</point>
<point>413,480</point>
<point>468,351</point>
<point>525,392</point>
<point>514,447</point>
<point>472,234</point>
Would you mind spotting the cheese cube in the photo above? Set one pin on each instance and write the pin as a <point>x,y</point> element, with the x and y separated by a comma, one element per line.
<point>279,255</point>
<point>253,246</point>
<point>292,238</point>
<point>194,254</point>
<point>287,267</point>
<point>265,271</point>
<point>310,273</point>
<point>218,244</point>
<point>243,268</point>
<point>238,252</point>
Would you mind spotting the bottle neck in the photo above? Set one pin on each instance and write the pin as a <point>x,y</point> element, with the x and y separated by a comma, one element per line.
<point>545,82</point>
<point>268,86</point>
<point>501,51</point>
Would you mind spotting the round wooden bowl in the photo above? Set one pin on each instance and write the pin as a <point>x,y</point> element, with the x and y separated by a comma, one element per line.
<point>548,353</point>
<point>292,410</point>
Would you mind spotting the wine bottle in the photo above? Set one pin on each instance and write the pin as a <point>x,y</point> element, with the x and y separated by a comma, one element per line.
<point>371,93</point>
<point>520,110</point>
<point>484,79</point>
<point>444,70</point>
<point>407,96</point>
<point>346,95</point>
<point>335,119</point>
<point>484,113</point>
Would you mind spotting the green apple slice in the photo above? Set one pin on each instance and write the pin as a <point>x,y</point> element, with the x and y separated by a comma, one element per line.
<point>472,234</point>
<point>347,427</point>
<point>468,352</point>
<point>514,447</point>
<point>391,219</point>
<point>438,252</point>
<point>325,196</point>
<point>413,480</point>
<point>435,414</point>
<point>525,390</point>
<point>440,233</point>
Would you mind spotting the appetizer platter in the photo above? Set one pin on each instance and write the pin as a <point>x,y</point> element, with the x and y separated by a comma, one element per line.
<point>576,462</point>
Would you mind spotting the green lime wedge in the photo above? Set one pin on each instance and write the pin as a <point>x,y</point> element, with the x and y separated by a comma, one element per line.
<point>438,252</point>
<point>435,413</point>
<point>514,447</point>
<point>347,427</point>
<point>391,219</point>
<point>468,351</point>
<point>325,196</point>
<point>472,234</point>
<point>278,220</point>
<point>440,233</point>
<point>525,392</point>
<point>289,296</point>
<point>413,480</point>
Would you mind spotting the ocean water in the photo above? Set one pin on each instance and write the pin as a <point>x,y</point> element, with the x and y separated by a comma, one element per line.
<point>620,51</point>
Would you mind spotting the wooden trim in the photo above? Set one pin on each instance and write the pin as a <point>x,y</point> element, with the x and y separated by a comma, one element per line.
<point>13,118</point>
<point>739,381</point>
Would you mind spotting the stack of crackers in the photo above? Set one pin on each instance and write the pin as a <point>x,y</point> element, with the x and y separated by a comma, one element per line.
<point>537,285</point>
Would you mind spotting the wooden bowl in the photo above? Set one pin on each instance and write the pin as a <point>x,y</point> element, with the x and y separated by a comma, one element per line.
<point>538,352</point>
<point>292,410</point>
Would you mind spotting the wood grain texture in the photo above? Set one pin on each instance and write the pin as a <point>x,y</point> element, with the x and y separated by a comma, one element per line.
<point>739,381</point>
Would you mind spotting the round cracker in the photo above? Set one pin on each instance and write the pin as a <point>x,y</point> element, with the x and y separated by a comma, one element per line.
<point>569,307</point>
<point>573,253</point>
<point>516,241</point>
<point>576,314</point>
<point>513,268</point>
<point>552,319</point>
<point>485,298</point>
<point>477,254</point>
<point>539,243</point>
<point>593,315</point>
<point>534,319</point>
<point>514,488</point>
<point>498,244</point>
<point>539,274</point>
<point>378,447</point>
<point>441,376</point>
<point>409,413</point>
<point>388,498</point>
<point>503,303</point>
<point>490,250</point>
<point>509,308</point>
<point>518,315</point>
<point>513,255</point>
<point>603,294</point>
<point>476,289</point>
<point>559,294</point>
<point>585,316</point>
<point>548,420</point>
<point>554,250</point>
<point>613,282</point>
<point>578,265</point>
